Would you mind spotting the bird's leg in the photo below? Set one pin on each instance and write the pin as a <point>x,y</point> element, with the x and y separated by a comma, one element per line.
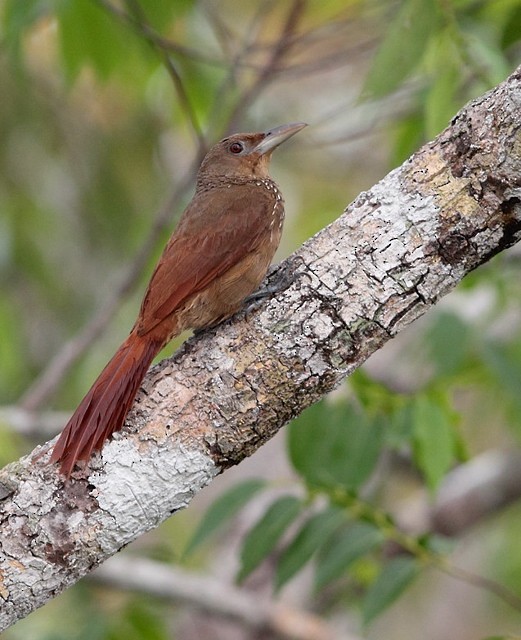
<point>280,277</point>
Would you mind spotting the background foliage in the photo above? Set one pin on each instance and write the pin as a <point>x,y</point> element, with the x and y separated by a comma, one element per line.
<point>106,109</point>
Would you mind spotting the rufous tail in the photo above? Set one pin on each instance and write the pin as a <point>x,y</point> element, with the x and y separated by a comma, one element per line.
<point>103,410</point>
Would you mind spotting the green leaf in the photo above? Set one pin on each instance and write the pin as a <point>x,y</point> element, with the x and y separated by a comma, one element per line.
<point>17,18</point>
<point>88,35</point>
<point>160,13</point>
<point>394,578</point>
<point>12,349</point>
<point>448,343</point>
<point>434,439</point>
<point>408,136</point>
<point>223,509</point>
<point>485,52</point>
<point>332,444</point>
<point>401,426</point>
<point>403,47</point>
<point>311,536</point>
<point>440,104</point>
<point>264,535</point>
<point>11,444</point>
<point>345,546</point>
<point>505,365</point>
<point>142,622</point>
<point>512,30</point>
<point>438,544</point>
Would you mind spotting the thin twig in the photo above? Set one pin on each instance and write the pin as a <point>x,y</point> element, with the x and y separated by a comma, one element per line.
<point>238,62</point>
<point>487,584</point>
<point>202,146</point>
<point>164,43</point>
<point>139,19</point>
<point>266,74</point>
<point>45,424</point>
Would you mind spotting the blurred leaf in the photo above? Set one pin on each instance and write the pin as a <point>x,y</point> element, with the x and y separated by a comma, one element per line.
<point>395,577</point>
<point>223,509</point>
<point>344,547</point>
<point>160,13</point>
<point>11,352</point>
<point>512,30</point>
<point>17,17</point>
<point>331,444</point>
<point>407,37</point>
<point>438,544</point>
<point>439,104</point>
<point>504,363</point>
<point>485,53</point>
<point>448,341</point>
<point>401,426</point>
<point>143,623</point>
<point>11,444</point>
<point>264,535</point>
<point>307,541</point>
<point>409,135</point>
<point>434,440</point>
<point>374,396</point>
<point>141,619</point>
<point>89,35</point>
<point>200,82</point>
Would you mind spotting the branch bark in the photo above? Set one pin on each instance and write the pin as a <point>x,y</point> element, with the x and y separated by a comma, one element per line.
<point>393,253</point>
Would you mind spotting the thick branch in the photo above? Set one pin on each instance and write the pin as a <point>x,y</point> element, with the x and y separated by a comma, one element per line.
<point>393,253</point>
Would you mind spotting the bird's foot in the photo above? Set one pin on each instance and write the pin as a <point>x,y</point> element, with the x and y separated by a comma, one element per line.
<point>280,277</point>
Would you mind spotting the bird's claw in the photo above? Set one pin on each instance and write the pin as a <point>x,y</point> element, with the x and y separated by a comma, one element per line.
<point>280,278</point>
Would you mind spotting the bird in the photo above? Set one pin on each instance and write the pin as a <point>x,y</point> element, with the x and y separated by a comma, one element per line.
<point>215,259</point>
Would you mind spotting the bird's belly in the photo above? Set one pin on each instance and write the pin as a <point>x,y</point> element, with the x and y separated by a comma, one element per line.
<point>226,294</point>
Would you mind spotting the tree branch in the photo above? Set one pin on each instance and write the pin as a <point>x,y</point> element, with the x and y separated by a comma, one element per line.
<point>214,596</point>
<point>394,252</point>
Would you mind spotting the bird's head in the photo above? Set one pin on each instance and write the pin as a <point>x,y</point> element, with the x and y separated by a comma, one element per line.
<point>245,155</point>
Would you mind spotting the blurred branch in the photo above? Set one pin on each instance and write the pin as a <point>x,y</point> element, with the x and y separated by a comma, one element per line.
<point>152,36</point>
<point>314,63</point>
<point>469,494</point>
<point>45,424</point>
<point>238,60</point>
<point>137,18</point>
<point>277,52</point>
<point>212,595</point>
<point>389,257</point>
<point>481,582</point>
<point>475,490</point>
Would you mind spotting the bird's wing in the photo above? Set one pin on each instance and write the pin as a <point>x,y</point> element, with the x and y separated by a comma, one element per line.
<point>218,228</point>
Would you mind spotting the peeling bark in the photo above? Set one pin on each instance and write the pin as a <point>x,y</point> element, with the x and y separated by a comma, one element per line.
<point>393,253</point>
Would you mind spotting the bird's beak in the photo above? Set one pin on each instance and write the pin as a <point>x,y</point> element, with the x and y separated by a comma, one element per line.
<point>274,137</point>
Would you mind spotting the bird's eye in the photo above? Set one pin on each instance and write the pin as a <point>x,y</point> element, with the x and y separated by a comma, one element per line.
<point>236,147</point>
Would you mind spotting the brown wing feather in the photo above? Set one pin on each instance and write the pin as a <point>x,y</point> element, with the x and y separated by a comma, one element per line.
<point>197,253</point>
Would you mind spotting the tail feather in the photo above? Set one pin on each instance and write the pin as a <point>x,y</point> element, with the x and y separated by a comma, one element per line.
<point>103,410</point>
